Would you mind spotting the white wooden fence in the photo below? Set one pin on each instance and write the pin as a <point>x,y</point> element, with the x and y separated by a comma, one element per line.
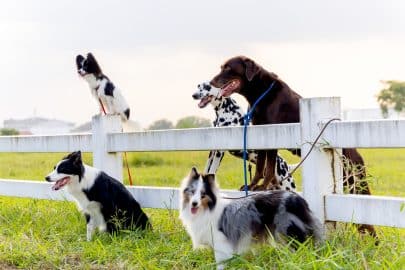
<point>322,172</point>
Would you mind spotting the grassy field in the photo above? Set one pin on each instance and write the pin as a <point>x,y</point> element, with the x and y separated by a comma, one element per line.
<point>41,234</point>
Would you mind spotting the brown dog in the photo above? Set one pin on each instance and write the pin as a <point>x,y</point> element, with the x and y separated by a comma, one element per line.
<point>281,105</point>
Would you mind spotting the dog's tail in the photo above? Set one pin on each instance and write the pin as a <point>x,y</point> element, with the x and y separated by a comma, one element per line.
<point>305,221</point>
<point>125,115</point>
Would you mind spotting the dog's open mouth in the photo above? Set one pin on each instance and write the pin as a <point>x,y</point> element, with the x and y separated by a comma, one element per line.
<point>194,210</point>
<point>204,101</point>
<point>229,88</point>
<point>61,183</point>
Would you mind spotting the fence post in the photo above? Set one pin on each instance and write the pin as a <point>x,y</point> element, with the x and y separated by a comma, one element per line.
<point>111,163</point>
<point>321,172</point>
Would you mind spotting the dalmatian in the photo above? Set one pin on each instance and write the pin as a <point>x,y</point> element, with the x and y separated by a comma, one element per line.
<point>229,113</point>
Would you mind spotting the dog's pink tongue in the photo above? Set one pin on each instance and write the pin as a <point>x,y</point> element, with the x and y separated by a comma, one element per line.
<point>228,89</point>
<point>60,183</point>
<point>57,186</point>
<point>201,104</point>
<point>194,210</point>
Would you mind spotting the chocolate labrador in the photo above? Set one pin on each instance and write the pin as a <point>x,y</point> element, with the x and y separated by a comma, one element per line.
<point>281,105</point>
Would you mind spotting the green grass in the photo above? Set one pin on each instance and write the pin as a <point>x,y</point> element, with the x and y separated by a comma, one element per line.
<point>41,234</point>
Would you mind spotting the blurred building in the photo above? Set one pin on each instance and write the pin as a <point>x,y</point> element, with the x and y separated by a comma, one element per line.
<point>39,126</point>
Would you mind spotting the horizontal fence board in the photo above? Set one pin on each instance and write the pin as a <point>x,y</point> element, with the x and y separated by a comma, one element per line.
<point>359,134</point>
<point>375,210</point>
<point>149,197</point>
<point>225,138</point>
<point>363,134</point>
<point>363,209</point>
<point>44,144</point>
<point>31,189</point>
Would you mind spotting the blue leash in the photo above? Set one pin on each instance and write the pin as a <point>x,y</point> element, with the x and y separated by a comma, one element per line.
<point>246,121</point>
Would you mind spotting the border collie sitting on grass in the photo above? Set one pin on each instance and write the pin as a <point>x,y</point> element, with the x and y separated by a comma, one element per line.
<point>104,201</point>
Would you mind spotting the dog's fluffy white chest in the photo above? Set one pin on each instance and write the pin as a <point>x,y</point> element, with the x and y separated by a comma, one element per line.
<point>203,227</point>
<point>84,204</point>
<point>75,189</point>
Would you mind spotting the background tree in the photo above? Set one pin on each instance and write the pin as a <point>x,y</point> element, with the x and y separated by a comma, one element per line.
<point>8,132</point>
<point>193,122</point>
<point>161,124</point>
<point>392,96</point>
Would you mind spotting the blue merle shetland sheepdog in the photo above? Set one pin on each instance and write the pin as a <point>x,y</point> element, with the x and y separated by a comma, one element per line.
<point>231,226</point>
<point>105,202</point>
<point>104,91</point>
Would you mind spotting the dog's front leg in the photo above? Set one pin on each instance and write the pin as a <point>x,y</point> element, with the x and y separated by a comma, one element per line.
<point>270,180</point>
<point>90,227</point>
<point>90,231</point>
<point>213,162</point>
<point>223,251</point>
<point>259,173</point>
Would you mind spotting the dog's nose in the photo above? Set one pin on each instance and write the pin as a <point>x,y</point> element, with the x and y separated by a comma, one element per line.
<point>48,178</point>
<point>194,204</point>
<point>196,95</point>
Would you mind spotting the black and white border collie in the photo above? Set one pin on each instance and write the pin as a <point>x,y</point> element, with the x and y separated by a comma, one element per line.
<point>104,91</point>
<point>104,201</point>
<point>229,113</point>
<point>231,226</point>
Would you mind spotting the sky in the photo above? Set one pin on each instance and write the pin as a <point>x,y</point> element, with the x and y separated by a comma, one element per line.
<point>157,52</point>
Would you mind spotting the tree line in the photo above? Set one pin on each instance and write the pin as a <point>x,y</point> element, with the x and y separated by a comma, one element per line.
<point>185,122</point>
<point>392,96</point>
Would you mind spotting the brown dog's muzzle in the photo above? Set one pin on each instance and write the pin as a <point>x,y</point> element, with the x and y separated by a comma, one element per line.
<point>228,86</point>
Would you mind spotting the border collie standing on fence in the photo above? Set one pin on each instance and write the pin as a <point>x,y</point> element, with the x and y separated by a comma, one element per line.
<point>105,202</point>
<point>231,226</point>
<point>229,113</point>
<point>108,96</point>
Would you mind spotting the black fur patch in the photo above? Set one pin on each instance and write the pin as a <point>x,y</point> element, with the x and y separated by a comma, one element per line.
<point>117,204</point>
<point>79,60</point>
<point>295,232</point>
<point>126,112</point>
<point>209,192</point>
<point>72,165</point>
<point>267,205</point>
<point>109,89</point>
<point>298,206</point>
<point>87,216</point>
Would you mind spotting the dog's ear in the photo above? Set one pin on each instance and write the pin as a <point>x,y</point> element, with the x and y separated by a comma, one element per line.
<point>76,157</point>
<point>79,59</point>
<point>209,181</point>
<point>90,56</point>
<point>252,69</point>
<point>93,62</point>
<point>209,178</point>
<point>194,173</point>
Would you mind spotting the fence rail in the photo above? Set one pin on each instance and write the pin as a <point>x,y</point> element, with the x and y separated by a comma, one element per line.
<point>322,172</point>
<point>45,144</point>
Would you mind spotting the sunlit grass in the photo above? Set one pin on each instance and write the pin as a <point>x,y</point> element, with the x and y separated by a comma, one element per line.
<point>42,234</point>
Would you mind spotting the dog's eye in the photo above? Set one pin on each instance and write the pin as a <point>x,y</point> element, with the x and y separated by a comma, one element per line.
<point>202,195</point>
